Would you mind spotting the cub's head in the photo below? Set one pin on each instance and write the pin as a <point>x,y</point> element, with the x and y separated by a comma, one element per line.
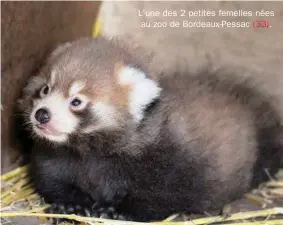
<point>87,86</point>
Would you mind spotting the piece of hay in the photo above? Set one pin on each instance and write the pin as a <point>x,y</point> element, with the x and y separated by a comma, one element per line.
<point>97,26</point>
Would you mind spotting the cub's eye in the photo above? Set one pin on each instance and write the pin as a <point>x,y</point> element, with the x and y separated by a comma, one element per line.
<point>44,91</point>
<point>76,102</point>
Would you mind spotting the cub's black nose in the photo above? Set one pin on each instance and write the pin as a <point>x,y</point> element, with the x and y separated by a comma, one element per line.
<point>42,115</point>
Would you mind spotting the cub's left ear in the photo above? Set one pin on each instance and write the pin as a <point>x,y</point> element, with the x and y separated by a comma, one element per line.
<point>142,90</point>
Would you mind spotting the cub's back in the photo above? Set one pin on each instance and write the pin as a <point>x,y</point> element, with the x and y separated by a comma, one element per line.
<point>229,125</point>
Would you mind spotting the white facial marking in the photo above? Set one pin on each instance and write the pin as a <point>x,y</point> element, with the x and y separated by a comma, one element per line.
<point>76,87</point>
<point>107,117</point>
<point>144,90</point>
<point>62,121</point>
<point>106,113</point>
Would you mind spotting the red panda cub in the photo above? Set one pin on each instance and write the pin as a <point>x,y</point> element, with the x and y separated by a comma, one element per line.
<point>109,141</point>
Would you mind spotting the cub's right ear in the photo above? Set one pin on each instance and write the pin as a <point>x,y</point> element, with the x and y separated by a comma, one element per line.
<point>59,49</point>
<point>20,102</point>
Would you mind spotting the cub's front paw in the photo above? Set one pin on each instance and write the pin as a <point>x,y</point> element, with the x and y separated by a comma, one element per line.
<point>98,211</point>
<point>108,212</point>
<point>57,208</point>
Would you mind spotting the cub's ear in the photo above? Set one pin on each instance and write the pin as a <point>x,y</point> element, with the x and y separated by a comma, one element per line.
<point>59,49</point>
<point>142,90</point>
